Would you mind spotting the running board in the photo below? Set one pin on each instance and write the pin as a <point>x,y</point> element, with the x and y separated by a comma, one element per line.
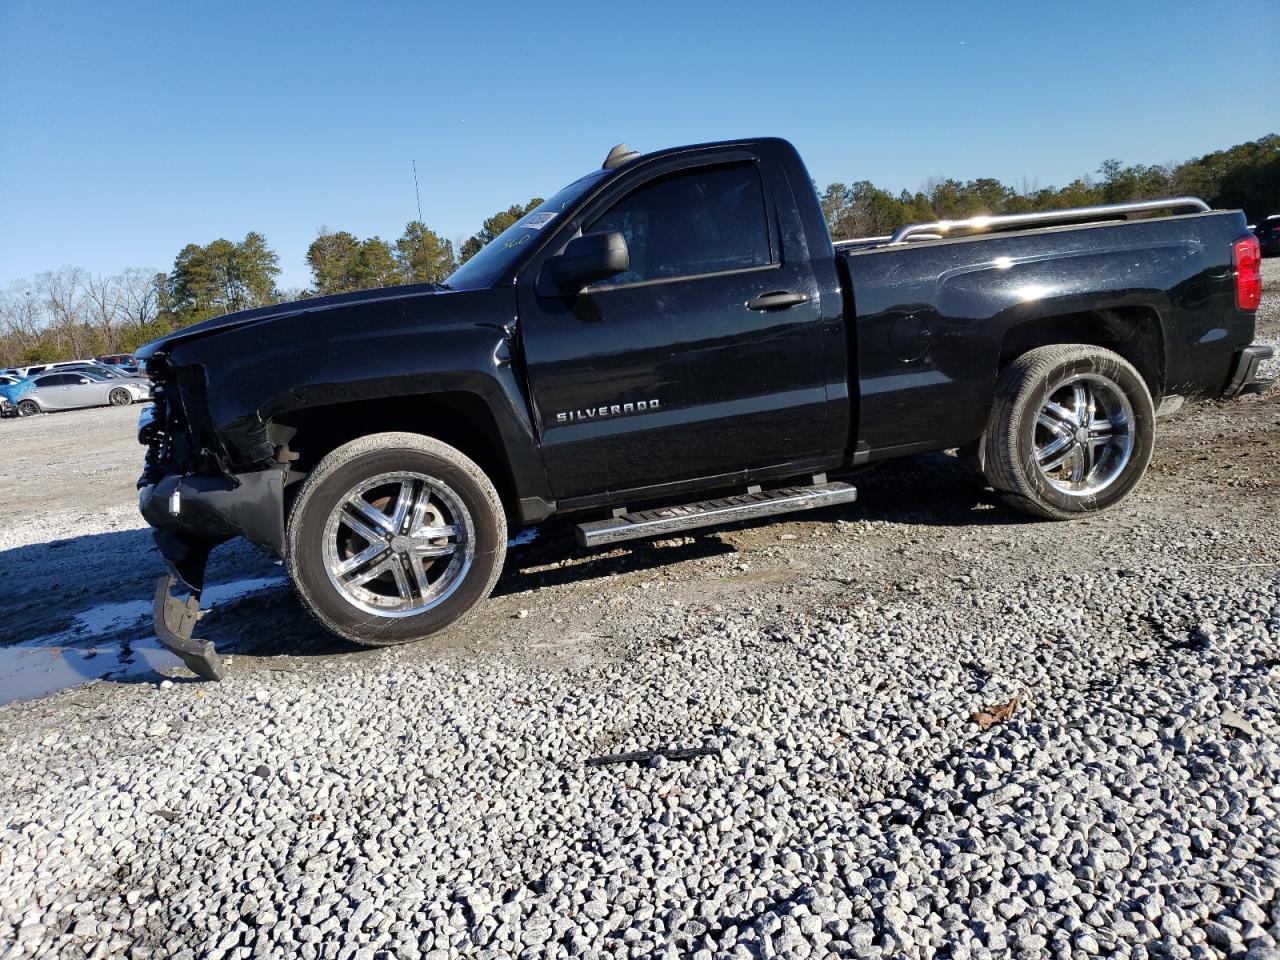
<point>708,513</point>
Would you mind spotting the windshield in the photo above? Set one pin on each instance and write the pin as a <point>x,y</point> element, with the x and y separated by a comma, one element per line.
<point>510,246</point>
<point>95,374</point>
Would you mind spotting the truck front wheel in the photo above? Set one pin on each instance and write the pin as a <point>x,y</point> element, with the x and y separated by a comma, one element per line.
<point>1070,433</point>
<point>394,537</point>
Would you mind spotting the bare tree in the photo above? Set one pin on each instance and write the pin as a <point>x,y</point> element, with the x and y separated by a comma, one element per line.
<point>138,297</point>
<point>21,321</point>
<point>102,308</point>
<point>62,294</point>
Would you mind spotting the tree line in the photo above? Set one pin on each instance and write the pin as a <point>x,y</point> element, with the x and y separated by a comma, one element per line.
<point>69,313</point>
<point>1246,176</point>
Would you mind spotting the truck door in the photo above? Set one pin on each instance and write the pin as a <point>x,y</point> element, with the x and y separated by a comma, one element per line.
<point>704,358</point>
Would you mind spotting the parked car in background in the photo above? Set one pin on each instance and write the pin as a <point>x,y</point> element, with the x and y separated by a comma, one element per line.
<point>14,391</point>
<point>39,368</point>
<point>7,409</point>
<point>105,372</point>
<point>60,390</point>
<point>7,380</point>
<point>1268,234</point>
<point>121,361</point>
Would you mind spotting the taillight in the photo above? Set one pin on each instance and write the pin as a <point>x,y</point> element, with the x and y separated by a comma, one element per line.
<point>1246,254</point>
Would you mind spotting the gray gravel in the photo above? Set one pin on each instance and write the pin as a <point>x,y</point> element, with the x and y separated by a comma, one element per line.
<point>435,801</point>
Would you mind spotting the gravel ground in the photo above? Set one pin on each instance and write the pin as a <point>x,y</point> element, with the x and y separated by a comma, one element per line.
<point>862,794</point>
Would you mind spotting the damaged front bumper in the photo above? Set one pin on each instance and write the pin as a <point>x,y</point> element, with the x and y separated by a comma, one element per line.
<point>191,515</point>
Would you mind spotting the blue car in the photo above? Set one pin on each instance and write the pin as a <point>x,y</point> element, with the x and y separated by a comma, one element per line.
<point>12,390</point>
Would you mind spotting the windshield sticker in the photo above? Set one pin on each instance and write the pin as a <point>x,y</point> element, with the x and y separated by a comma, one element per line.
<point>538,221</point>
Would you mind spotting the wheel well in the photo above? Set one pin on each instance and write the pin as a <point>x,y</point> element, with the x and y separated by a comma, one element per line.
<point>1133,332</point>
<point>461,420</point>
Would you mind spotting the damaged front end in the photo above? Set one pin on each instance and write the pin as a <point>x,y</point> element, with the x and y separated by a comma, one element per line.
<point>194,501</point>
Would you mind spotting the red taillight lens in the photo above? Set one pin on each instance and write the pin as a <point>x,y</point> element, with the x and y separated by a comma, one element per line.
<point>1246,254</point>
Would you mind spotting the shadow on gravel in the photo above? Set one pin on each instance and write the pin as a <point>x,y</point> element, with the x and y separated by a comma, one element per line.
<point>63,590</point>
<point>931,489</point>
<point>80,608</point>
<point>556,558</point>
<point>77,610</point>
<point>92,584</point>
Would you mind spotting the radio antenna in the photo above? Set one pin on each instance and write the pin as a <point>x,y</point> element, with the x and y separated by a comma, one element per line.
<point>416,194</point>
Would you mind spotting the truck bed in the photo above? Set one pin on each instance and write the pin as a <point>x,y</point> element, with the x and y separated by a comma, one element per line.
<point>934,319</point>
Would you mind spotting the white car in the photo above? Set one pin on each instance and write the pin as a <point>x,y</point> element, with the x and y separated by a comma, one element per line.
<point>38,368</point>
<point>81,388</point>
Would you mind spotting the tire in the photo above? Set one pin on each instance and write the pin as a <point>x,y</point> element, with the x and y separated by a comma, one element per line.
<point>28,408</point>
<point>120,397</point>
<point>1036,420</point>
<point>396,606</point>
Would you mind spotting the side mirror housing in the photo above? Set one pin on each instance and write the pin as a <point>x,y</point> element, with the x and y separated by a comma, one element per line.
<point>586,259</point>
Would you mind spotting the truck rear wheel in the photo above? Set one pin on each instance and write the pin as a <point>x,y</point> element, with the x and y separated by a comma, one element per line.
<point>1071,431</point>
<point>394,537</point>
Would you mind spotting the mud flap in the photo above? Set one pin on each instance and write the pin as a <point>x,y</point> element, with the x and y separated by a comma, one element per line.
<point>175,621</point>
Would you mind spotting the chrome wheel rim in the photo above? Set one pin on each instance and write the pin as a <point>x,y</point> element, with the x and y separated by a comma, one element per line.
<point>119,397</point>
<point>398,544</point>
<point>1084,435</point>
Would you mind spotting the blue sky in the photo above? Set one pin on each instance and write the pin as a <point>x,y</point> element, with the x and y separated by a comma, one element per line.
<point>130,129</point>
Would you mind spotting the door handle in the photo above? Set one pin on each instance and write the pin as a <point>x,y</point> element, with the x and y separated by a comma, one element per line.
<point>778,300</point>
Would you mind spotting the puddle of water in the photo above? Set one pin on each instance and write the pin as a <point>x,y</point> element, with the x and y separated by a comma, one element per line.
<point>71,657</point>
<point>111,617</point>
<point>27,671</point>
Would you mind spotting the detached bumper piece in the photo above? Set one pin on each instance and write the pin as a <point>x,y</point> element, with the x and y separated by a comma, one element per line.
<point>707,513</point>
<point>1244,372</point>
<point>175,622</point>
<point>192,515</point>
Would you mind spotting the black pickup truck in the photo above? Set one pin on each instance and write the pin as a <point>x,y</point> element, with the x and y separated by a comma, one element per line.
<point>672,327</point>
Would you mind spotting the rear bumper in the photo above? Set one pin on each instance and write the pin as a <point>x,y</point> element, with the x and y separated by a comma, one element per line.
<point>1244,376</point>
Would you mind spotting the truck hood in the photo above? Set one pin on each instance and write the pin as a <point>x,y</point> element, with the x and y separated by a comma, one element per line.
<point>275,311</point>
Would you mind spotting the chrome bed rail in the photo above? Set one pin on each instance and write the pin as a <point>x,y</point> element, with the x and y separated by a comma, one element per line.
<point>1041,218</point>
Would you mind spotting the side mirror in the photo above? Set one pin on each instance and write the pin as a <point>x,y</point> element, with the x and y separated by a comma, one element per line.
<point>586,259</point>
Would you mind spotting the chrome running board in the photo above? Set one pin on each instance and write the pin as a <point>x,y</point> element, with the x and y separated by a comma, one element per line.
<point>708,513</point>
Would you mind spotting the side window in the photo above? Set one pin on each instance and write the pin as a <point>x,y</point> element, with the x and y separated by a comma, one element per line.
<point>704,220</point>
<point>53,380</point>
